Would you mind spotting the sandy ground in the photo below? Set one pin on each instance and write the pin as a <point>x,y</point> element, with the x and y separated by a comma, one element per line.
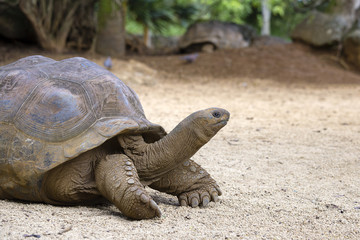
<point>288,161</point>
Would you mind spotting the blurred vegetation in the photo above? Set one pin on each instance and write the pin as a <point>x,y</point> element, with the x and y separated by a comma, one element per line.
<point>81,20</point>
<point>285,14</point>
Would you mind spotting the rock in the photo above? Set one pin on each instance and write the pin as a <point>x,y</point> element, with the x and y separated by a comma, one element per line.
<point>321,29</point>
<point>352,47</point>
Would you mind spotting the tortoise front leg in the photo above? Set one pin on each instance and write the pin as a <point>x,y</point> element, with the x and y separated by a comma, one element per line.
<point>117,180</point>
<point>192,184</point>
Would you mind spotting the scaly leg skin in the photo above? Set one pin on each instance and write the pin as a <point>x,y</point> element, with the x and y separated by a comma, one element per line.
<point>192,184</point>
<point>118,181</point>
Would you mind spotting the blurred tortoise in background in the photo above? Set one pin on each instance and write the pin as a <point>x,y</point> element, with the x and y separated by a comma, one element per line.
<point>210,35</point>
<point>73,133</point>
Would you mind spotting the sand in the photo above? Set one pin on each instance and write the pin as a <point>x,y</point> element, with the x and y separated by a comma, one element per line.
<point>288,161</point>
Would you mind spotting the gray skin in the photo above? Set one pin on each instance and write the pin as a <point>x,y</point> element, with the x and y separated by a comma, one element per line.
<point>120,170</point>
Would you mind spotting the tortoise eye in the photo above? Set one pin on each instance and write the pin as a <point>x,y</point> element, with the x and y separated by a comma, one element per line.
<point>216,114</point>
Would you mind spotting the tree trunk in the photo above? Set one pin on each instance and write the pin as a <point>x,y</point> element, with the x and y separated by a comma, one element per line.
<point>266,15</point>
<point>83,30</point>
<point>51,20</point>
<point>147,36</point>
<point>110,40</point>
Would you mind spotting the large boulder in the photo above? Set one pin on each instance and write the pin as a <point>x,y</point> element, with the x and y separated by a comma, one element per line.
<point>352,47</point>
<point>321,29</point>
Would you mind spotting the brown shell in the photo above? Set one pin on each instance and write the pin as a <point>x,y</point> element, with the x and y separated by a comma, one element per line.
<point>52,111</point>
<point>223,35</point>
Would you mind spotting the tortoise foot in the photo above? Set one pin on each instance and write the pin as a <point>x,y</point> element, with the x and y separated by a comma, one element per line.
<point>201,196</point>
<point>142,205</point>
<point>190,183</point>
<point>118,181</point>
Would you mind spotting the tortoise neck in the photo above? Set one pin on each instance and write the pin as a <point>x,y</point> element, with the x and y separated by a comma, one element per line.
<point>155,159</point>
<point>175,148</point>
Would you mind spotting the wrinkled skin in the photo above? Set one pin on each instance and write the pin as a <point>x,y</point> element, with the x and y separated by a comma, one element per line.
<point>119,172</point>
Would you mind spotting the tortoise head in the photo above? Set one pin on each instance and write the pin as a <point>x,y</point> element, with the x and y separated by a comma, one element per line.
<point>206,123</point>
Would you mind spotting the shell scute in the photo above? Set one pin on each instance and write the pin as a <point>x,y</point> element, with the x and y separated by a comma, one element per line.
<point>55,111</point>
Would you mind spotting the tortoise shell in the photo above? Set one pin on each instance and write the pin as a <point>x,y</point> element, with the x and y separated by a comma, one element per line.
<point>52,111</point>
<point>223,35</point>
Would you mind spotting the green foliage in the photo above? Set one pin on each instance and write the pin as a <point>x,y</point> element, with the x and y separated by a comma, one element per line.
<point>327,5</point>
<point>134,27</point>
<point>160,15</point>
<point>172,17</point>
<point>185,13</point>
<point>231,10</point>
<point>150,13</point>
<point>278,7</point>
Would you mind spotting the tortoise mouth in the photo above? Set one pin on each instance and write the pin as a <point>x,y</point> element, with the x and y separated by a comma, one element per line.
<point>222,123</point>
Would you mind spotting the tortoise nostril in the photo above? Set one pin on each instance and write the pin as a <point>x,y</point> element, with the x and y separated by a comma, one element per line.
<point>216,114</point>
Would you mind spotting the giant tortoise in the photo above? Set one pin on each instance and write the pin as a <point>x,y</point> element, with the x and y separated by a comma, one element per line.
<point>210,35</point>
<point>73,133</point>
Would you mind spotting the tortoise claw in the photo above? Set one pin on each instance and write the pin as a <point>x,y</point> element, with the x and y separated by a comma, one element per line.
<point>194,202</point>
<point>200,197</point>
<point>154,206</point>
<point>205,201</point>
<point>183,203</point>
<point>214,197</point>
